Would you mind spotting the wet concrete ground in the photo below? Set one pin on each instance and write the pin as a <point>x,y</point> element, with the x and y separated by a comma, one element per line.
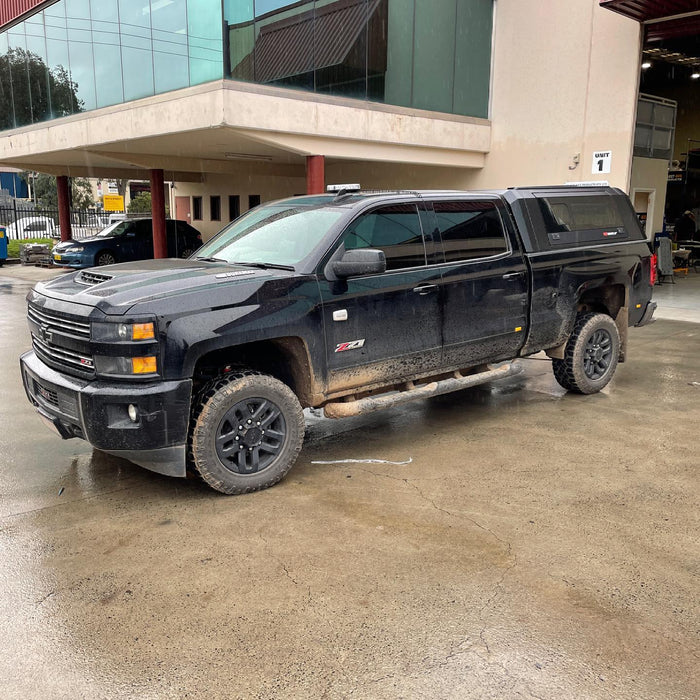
<point>538,545</point>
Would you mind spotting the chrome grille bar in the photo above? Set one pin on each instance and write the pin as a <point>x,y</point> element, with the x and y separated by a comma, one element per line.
<point>62,356</point>
<point>59,323</point>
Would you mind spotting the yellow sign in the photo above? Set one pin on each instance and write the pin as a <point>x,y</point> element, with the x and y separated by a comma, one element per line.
<point>113,202</point>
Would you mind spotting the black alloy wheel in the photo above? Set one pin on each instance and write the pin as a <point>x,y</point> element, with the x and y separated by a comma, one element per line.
<point>250,435</point>
<point>598,354</point>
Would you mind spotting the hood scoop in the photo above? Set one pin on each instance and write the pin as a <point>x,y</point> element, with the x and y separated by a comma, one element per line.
<point>89,278</point>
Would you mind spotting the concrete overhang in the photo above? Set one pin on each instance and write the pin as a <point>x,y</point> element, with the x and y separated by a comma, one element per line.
<point>219,127</point>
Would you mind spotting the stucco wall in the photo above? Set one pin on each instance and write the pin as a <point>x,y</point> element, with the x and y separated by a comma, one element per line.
<point>565,77</point>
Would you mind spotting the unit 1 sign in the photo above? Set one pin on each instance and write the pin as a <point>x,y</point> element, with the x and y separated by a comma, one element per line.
<point>601,162</point>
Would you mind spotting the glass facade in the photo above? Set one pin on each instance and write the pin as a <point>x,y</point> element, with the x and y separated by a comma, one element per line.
<point>78,55</point>
<point>413,53</point>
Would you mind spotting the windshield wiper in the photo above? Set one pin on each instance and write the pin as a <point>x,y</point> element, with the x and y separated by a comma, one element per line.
<point>211,259</point>
<point>264,266</point>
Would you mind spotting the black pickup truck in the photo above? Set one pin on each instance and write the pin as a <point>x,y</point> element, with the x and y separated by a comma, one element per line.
<point>350,302</point>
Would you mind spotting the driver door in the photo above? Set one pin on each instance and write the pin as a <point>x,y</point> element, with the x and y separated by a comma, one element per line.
<point>384,327</point>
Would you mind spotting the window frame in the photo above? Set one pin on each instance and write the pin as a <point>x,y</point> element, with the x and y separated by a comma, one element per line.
<point>498,207</point>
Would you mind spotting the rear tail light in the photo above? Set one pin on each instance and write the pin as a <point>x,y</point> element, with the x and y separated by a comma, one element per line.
<point>652,270</point>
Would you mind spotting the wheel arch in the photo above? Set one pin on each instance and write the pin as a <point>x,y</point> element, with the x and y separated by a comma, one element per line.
<point>608,299</point>
<point>286,359</point>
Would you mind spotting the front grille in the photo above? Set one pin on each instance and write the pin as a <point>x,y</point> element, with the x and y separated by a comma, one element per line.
<point>89,278</point>
<point>52,355</point>
<point>52,321</point>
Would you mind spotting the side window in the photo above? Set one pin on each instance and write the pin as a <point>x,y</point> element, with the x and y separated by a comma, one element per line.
<point>142,229</point>
<point>470,229</point>
<point>395,229</point>
<point>581,220</point>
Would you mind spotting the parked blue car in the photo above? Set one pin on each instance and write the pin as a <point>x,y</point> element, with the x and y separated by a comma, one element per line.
<point>124,241</point>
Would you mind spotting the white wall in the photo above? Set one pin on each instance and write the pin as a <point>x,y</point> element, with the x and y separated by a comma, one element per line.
<point>565,79</point>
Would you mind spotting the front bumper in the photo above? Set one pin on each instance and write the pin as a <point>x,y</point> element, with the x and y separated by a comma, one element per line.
<point>76,261</point>
<point>97,411</point>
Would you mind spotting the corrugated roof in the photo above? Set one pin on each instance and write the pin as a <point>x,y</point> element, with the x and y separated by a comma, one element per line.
<point>311,40</point>
<point>12,9</point>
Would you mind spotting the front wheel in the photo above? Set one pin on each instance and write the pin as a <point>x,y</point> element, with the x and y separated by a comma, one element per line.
<point>104,257</point>
<point>591,355</point>
<point>247,430</point>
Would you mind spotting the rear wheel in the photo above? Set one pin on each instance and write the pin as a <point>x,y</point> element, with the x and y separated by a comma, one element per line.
<point>247,430</point>
<point>591,355</point>
<point>105,257</point>
<point>186,252</point>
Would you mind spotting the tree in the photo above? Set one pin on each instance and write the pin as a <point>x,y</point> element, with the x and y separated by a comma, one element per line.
<point>32,92</point>
<point>140,204</point>
<point>46,192</point>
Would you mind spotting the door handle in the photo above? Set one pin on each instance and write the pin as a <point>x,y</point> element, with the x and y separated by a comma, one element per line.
<point>510,276</point>
<point>424,289</point>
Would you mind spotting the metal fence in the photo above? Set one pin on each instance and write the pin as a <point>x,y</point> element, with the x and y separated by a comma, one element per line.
<point>24,222</point>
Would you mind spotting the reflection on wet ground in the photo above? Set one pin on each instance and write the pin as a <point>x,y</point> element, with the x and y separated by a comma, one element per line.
<point>537,544</point>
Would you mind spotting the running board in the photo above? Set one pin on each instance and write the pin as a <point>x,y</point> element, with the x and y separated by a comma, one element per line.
<point>411,392</point>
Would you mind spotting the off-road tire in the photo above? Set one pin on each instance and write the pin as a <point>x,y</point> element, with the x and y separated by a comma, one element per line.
<point>246,432</point>
<point>105,257</point>
<point>591,355</point>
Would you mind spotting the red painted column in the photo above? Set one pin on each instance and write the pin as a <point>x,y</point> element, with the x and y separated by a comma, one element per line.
<point>160,244</point>
<point>64,207</point>
<point>315,175</point>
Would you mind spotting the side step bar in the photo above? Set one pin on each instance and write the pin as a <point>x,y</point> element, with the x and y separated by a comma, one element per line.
<point>345,409</point>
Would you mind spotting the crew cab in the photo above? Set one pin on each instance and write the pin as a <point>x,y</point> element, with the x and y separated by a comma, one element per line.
<point>348,302</point>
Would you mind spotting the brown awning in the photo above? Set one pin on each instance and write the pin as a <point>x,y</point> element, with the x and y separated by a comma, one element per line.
<point>311,40</point>
<point>649,10</point>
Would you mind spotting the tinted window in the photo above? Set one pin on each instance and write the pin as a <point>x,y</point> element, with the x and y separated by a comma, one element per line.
<point>395,229</point>
<point>197,208</point>
<point>215,207</point>
<point>580,220</point>
<point>470,229</point>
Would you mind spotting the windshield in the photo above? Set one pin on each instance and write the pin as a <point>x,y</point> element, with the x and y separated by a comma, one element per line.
<point>118,228</point>
<point>278,234</point>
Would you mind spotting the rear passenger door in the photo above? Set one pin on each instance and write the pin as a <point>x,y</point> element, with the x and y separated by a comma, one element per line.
<point>484,285</point>
<point>384,327</point>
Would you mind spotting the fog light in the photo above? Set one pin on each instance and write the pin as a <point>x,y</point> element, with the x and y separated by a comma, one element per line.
<point>123,331</point>
<point>133,413</point>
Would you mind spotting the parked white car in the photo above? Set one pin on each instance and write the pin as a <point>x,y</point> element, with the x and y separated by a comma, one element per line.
<point>32,227</point>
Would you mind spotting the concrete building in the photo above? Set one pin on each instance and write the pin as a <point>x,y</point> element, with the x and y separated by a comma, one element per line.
<point>243,101</point>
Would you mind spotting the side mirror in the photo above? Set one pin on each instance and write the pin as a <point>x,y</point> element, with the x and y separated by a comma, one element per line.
<point>365,261</point>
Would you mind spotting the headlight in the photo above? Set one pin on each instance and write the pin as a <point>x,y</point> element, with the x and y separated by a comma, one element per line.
<point>124,332</point>
<point>76,249</point>
<point>126,365</point>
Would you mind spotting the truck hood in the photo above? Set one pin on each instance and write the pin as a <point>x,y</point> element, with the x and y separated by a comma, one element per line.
<point>115,289</point>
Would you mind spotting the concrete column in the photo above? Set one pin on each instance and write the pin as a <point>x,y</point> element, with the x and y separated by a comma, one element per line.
<point>160,245</point>
<point>64,207</point>
<point>315,175</point>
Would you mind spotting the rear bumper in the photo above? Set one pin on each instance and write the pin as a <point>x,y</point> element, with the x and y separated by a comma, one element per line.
<point>647,316</point>
<point>97,411</point>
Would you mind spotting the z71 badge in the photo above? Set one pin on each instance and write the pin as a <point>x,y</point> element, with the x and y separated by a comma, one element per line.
<point>352,345</point>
